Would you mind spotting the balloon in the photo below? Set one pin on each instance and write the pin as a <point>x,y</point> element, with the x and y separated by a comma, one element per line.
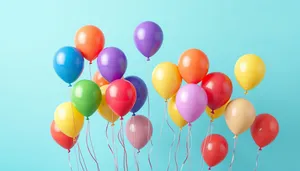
<point>264,130</point>
<point>174,114</point>
<point>249,71</point>
<point>217,113</point>
<point>193,65</point>
<point>148,38</point>
<point>141,92</point>
<point>218,88</point>
<point>61,139</point>
<point>98,79</point>
<point>86,97</point>
<point>138,131</point>
<point>120,97</point>
<point>214,149</point>
<point>104,109</point>
<point>90,41</point>
<point>239,115</point>
<point>112,63</point>
<point>166,79</point>
<point>68,119</point>
<point>68,64</point>
<point>191,101</point>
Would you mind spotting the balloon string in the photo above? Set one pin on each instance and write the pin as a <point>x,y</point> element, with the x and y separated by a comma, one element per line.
<point>126,162</point>
<point>90,70</point>
<point>187,147</point>
<point>114,146</point>
<point>149,153</point>
<point>136,159</point>
<point>209,131</point>
<point>257,158</point>
<point>121,141</point>
<point>77,164</point>
<point>160,135</point>
<point>151,144</point>
<point>92,153</point>
<point>81,157</point>
<point>233,153</point>
<point>111,150</point>
<point>177,148</point>
<point>191,144</point>
<point>69,159</point>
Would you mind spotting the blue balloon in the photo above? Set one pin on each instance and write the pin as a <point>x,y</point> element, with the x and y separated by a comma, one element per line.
<point>141,92</point>
<point>68,64</point>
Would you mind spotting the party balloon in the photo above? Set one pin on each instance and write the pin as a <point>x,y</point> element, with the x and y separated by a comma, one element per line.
<point>166,79</point>
<point>98,79</point>
<point>141,92</point>
<point>68,119</point>
<point>214,149</point>
<point>104,109</point>
<point>174,114</point>
<point>90,41</point>
<point>120,96</point>
<point>148,38</point>
<point>193,65</point>
<point>86,97</point>
<point>249,71</point>
<point>68,64</point>
<point>239,115</point>
<point>138,131</point>
<point>218,88</point>
<point>191,101</point>
<point>264,130</point>
<point>61,139</point>
<point>217,113</point>
<point>112,63</point>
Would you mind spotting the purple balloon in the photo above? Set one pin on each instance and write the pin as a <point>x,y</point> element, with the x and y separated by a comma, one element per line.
<point>148,37</point>
<point>191,101</point>
<point>112,63</point>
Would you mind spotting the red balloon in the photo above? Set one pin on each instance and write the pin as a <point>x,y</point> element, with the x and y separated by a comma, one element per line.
<point>218,88</point>
<point>264,130</point>
<point>61,139</point>
<point>214,149</point>
<point>120,96</point>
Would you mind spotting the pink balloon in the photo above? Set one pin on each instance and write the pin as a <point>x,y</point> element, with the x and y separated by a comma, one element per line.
<point>191,101</point>
<point>139,131</point>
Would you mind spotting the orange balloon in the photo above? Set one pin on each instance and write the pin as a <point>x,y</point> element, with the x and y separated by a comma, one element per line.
<point>90,41</point>
<point>98,79</point>
<point>193,65</point>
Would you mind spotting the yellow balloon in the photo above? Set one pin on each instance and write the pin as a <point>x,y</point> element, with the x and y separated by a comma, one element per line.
<point>104,109</point>
<point>68,119</point>
<point>174,114</point>
<point>217,113</point>
<point>249,71</point>
<point>166,79</point>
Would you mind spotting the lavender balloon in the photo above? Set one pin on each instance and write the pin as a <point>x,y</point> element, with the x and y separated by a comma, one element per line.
<point>112,63</point>
<point>191,101</point>
<point>148,37</point>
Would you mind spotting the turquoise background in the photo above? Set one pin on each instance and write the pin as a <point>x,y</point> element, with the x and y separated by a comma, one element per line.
<point>32,31</point>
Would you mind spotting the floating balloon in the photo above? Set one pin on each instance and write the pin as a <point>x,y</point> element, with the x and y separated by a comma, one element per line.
<point>120,96</point>
<point>214,149</point>
<point>174,114</point>
<point>264,130</point>
<point>90,41</point>
<point>141,92</point>
<point>191,101</point>
<point>218,88</point>
<point>86,97</point>
<point>138,131</point>
<point>249,71</point>
<point>217,113</point>
<point>166,79</point>
<point>148,38</point>
<point>193,65</point>
<point>239,115</point>
<point>98,79</point>
<point>104,109</point>
<point>112,63</point>
<point>61,139</point>
<point>68,64</point>
<point>68,119</point>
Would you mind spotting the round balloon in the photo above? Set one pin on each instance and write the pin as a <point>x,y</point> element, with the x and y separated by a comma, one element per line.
<point>216,113</point>
<point>90,41</point>
<point>193,65</point>
<point>86,97</point>
<point>68,64</point>
<point>174,113</point>
<point>148,38</point>
<point>98,79</point>
<point>112,63</point>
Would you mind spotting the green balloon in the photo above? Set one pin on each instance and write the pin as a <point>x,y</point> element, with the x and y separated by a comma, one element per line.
<point>86,97</point>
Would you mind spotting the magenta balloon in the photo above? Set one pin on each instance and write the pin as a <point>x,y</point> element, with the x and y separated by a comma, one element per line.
<point>191,101</point>
<point>139,131</point>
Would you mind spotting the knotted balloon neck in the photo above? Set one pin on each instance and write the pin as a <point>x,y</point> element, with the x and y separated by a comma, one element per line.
<point>87,118</point>
<point>113,124</point>
<point>133,114</point>
<point>235,136</point>
<point>166,100</point>
<point>138,152</point>
<point>209,168</point>
<point>212,112</point>
<point>69,150</point>
<point>70,85</point>
<point>121,118</point>
<point>90,62</point>
<point>260,148</point>
<point>190,124</point>
<point>246,92</point>
<point>148,58</point>
<point>212,120</point>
